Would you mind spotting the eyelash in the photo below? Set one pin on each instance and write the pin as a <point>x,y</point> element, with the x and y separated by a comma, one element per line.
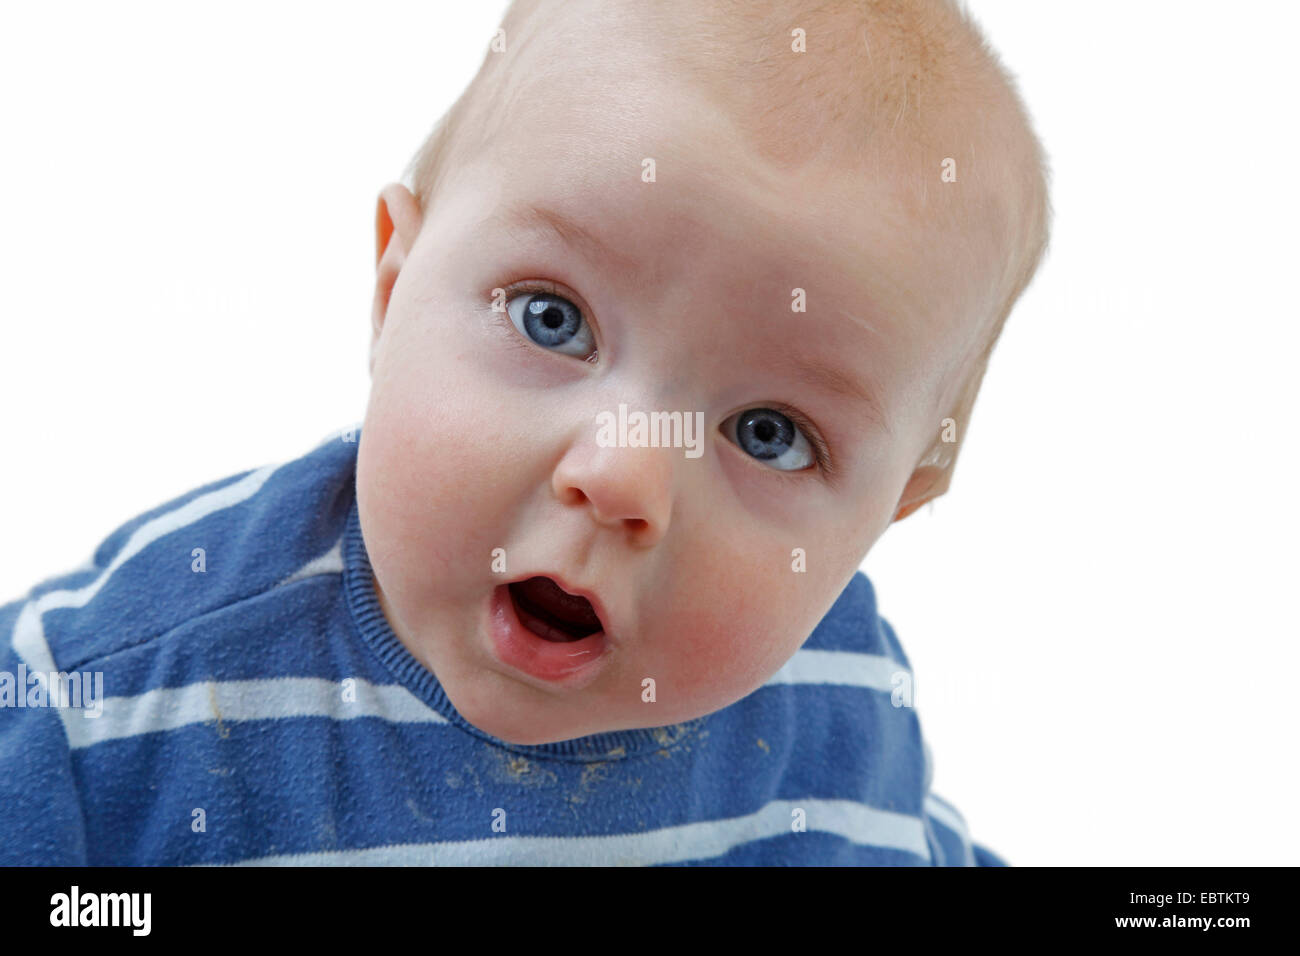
<point>820,452</point>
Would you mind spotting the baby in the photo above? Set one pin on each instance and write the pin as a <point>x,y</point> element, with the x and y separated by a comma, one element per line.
<point>531,612</point>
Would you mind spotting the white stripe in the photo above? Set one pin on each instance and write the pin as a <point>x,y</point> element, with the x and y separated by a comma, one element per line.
<point>192,511</point>
<point>331,562</point>
<point>164,709</point>
<point>266,699</point>
<point>28,636</point>
<point>861,824</point>
<point>936,847</point>
<point>221,702</point>
<point>29,640</point>
<point>947,815</point>
<point>151,531</point>
<point>873,671</point>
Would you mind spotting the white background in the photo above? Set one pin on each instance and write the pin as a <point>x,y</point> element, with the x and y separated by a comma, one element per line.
<point>1099,613</point>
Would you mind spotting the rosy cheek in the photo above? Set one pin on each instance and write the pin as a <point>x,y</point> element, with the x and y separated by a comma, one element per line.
<point>717,656</point>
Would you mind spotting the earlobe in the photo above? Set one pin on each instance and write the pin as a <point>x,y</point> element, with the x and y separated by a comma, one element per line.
<point>927,483</point>
<point>396,211</point>
<point>383,229</point>
<point>397,224</point>
<point>906,510</point>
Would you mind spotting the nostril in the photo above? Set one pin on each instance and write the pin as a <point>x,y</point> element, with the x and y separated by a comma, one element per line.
<point>573,496</point>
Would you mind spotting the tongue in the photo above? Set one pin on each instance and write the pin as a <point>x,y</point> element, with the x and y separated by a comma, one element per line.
<point>546,600</point>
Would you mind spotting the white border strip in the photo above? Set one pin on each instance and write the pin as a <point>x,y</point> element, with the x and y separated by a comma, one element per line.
<point>873,671</point>
<point>219,702</point>
<point>168,708</point>
<point>29,631</point>
<point>705,840</point>
<point>947,815</point>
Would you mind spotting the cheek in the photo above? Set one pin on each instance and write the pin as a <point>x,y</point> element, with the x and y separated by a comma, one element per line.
<point>732,650</point>
<point>419,443</point>
<point>427,471</point>
<point>735,622</point>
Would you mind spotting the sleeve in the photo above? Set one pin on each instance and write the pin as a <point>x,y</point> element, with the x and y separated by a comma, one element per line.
<point>41,822</point>
<point>949,839</point>
<point>986,857</point>
<point>946,832</point>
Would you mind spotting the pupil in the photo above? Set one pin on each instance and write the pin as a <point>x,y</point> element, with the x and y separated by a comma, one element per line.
<point>552,318</point>
<point>764,431</point>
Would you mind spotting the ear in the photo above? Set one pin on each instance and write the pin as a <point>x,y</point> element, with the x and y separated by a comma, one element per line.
<point>927,483</point>
<point>397,224</point>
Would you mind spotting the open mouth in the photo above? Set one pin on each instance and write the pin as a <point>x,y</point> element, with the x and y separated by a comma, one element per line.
<point>552,613</point>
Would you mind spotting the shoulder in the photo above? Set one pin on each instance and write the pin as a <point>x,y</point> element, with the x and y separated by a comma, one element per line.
<point>205,550</point>
<point>854,623</point>
<point>852,646</point>
<point>857,702</point>
<point>850,686</point>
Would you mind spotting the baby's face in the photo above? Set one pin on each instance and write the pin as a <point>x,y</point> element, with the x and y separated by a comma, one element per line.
<point>482,462</point>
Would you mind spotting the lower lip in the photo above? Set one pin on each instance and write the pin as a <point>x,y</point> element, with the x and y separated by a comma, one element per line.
<point>570,663</point>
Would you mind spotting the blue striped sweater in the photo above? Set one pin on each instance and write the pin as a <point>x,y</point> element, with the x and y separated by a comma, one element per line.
<point>219,685</point>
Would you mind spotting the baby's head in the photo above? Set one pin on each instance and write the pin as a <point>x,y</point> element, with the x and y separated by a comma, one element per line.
<point>801,225</point>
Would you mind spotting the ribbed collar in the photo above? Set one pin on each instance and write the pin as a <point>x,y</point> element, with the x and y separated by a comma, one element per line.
<point>373,626</point>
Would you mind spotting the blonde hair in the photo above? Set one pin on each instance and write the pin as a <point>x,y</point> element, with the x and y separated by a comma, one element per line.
<point>899,57</point>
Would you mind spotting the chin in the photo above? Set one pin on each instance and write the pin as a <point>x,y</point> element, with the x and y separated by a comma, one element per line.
<point>523,729</point>
<point>525,733</point>
<point>525,739</point>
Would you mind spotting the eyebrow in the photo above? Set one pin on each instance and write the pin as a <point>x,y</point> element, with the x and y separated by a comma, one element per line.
<point>541,217</point>
<point>832,380</point>
<point>538,217</point>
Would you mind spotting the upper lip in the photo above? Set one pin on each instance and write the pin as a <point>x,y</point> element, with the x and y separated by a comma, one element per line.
<point>587,593</point>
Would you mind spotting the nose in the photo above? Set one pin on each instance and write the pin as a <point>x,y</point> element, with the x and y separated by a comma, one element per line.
<point>624,487</point>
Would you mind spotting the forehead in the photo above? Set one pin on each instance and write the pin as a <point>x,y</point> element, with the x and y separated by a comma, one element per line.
<point>553,223</point>
<point>572,158</point>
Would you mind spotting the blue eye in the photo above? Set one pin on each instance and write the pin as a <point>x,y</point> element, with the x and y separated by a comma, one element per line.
<point>551,321</point>
<point>770,437</point>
